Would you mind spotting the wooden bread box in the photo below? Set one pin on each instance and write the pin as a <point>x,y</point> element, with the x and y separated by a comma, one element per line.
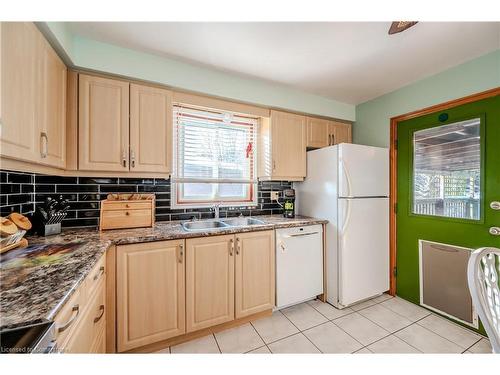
<point>121,211</point>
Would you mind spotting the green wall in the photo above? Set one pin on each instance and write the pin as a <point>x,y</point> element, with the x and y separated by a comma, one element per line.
<point>372,118</point>
<point>90,54</point>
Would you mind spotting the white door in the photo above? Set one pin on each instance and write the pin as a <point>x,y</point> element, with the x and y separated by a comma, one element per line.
<point>363,171</point>
<point>363,244</point>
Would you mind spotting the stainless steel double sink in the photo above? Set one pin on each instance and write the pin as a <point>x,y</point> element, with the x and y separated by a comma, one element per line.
<point>208,225</point>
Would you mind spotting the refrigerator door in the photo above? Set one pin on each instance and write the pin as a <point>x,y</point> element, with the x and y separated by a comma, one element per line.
<point>363,171</point>
<point>363,244</point>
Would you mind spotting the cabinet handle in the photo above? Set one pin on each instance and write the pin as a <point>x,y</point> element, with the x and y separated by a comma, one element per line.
<point>69,322</point>
<point>101,308</point>
<point>238,246</point>
<point>329,139</point>
<point>132,158</point>
<point>124,159</point>
<point>274,165</point>
<point>101,271</point>
<point>231,247</point>
<point>181,253</point>
<point>333,139</point>
<point>44,146</point>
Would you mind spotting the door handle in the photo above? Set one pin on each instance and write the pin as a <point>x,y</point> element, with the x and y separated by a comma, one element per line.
<point>495,231</point>
<point>231,247</point>
<point>238,246</point>
<point>44,146</point>
<point>132,158</point>
<point>124,159</point>
<point>495,205</point>
<point>181,253</point>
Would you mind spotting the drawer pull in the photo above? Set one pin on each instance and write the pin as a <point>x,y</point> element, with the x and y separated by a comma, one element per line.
<point>69,322</point>
<point>101,308</point>
<point>231,247</point>
<point>101,271</point>
<point>127,213</point>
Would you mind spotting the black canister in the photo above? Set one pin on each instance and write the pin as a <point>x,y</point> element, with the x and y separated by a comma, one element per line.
<point>289,203</point>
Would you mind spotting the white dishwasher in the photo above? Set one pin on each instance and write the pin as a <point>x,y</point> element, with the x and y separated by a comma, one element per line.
<point>299,264</point>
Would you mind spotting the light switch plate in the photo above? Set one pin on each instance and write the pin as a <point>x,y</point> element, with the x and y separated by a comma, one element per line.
<point>275,195</point>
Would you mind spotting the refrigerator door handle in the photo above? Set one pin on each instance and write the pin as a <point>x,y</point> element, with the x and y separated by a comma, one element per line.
<point>346,215</point>
<point>347,179</point>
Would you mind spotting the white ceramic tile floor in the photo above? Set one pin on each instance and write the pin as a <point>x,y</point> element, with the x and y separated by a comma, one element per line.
<point>385,325</point>
<point>387,319</point>
<point>274,327</point>
<point>304,316</point>
<point>294,344</point>
<point>240,339</point>
<point>206,345</point>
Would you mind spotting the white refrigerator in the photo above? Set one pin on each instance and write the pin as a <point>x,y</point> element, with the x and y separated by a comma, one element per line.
<point>348,185</point>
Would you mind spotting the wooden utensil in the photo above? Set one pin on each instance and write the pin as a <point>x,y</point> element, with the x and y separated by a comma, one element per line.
<point>7,227</point>
<point>20,220</point>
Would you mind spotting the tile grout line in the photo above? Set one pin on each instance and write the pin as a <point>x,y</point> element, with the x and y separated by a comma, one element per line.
<point>217,343</point>
<point>258,334</point>
<point>300,331</point>
<point>472,345</point>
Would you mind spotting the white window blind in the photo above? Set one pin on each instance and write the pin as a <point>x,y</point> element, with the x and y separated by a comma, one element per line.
<point>214,156</point>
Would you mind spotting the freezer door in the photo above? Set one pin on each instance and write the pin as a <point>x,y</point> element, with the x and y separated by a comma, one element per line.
<point>363,244</point>
<point>363,171</point>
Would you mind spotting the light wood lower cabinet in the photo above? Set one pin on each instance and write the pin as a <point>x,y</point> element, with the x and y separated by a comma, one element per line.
<point>81,323</point>
<point>255,273</point>
<point>150,293</point>
<point>209,281</point>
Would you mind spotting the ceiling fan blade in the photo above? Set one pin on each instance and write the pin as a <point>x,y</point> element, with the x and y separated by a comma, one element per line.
<point>399,26</point>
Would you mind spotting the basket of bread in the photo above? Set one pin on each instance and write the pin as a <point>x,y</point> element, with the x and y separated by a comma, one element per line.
<point>12,230</point>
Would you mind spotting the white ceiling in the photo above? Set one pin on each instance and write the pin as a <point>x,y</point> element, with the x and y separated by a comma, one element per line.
<point>348,61</point>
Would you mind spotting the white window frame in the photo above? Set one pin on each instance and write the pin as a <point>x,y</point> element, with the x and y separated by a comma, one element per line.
<point>176,182</point>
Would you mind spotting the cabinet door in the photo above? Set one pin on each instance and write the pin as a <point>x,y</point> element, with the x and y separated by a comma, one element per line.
<point>209,281</point>
<point>317,132</point>
<point>341,132</point>
<point>53,142</point>
<point>150,129</point>
<point>103,124</point>
<point>19,133</point>
<point>254,275</point>
<point>288,137</point>
<point>150,293</point>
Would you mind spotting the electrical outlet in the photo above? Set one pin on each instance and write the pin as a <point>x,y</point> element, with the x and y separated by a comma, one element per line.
<point>275,195</point>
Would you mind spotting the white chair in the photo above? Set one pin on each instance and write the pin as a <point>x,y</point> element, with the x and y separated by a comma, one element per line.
<point>483,272</point>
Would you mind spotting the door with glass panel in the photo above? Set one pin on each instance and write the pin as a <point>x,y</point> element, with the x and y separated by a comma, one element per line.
<point>448,189</point>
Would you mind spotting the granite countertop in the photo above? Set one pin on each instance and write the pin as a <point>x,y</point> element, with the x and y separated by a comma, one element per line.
<point>33,290</point>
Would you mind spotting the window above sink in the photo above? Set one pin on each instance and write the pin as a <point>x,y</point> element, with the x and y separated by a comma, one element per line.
<point>214,158</point>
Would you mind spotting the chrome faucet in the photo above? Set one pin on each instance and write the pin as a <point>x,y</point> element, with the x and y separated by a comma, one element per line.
<point>215,208</point>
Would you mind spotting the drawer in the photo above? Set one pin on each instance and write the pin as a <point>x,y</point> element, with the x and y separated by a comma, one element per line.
<point>70,315</point>
<point>126,219</point>
<point>93,322</point>
<point>97,274</point>
<point>129,205</point>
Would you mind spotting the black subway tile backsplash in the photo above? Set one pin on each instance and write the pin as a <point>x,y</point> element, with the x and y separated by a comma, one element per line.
<point>21,192</point>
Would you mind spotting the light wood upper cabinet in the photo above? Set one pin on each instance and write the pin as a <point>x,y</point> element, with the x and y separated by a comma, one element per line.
<point>150,293</point>
<point>323,133</point>
<point>103,124</point>
<point>20,78</point>
<point>53,127</point>
<point>254,274</point>
<point>341,132</point>
<point>209,281</point>
<point>282,147</point>
<point>33,97</point>
<point>150,129</point>
<point>318,132</point>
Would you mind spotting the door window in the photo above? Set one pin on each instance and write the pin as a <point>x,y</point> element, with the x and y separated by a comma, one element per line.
<point>447,170</point>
